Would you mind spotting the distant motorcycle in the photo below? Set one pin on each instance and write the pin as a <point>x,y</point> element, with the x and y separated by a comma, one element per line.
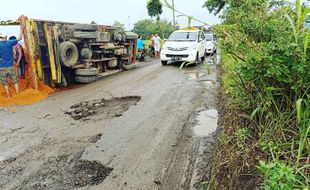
<point>141,55</point>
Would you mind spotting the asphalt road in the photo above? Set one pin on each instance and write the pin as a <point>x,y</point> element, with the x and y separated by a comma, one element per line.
<point>140,132</point>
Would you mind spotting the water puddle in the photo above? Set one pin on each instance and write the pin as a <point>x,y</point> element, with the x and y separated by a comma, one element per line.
<point>213,60</point>
<point>210,84</point>
<point>207,123</point>
<point>10,152</point>
<point>218,59</point>
<point>194,75</point>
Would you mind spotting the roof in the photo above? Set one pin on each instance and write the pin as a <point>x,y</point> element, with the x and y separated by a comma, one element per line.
<point>187,30</point>
<point>190,29</point>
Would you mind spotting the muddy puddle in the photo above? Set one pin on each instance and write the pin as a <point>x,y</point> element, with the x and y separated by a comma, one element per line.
<point>54,166</point>
<point>213,60</point>
<point>211,84</point>
<point>207,123</point>
<point>194,75</point>
<point>106,108</point>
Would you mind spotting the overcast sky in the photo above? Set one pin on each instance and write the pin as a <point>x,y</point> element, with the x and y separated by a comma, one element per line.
<point>101,11</point>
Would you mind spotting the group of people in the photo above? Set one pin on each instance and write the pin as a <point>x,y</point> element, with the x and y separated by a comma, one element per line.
<point>154,47</point>
<point>12,61</point>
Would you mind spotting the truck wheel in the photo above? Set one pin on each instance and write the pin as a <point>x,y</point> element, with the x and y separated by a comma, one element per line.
<point>164,62</point>
<point>69,54</point>
<point>86,79</point>
<point>123,65</point>
<point>128,67</point>
<point>87,72</point>
<point>120,65</point>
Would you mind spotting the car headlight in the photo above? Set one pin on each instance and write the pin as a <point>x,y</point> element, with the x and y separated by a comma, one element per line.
<point>192,47</point>
<point>164,47</point>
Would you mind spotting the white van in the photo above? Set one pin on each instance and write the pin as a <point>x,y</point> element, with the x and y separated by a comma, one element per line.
<point>210,43</point>
<point>187,45</point>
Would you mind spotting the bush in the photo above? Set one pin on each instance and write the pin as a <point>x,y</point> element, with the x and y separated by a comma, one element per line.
<point>268,79</point>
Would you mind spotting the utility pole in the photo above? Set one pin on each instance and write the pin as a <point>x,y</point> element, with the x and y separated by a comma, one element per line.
<point>173,13</point>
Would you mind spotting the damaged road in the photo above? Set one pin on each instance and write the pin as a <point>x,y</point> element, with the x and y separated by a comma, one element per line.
<point>133,130</point>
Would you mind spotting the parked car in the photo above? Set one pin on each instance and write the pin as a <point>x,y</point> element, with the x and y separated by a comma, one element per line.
<point>210,43</point>
<point>186,45</point>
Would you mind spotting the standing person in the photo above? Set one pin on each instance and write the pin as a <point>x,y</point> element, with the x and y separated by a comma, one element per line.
<point>7,62</point>
<point>157,45</point>
<point>152,50</point>
<point>152,40</point>
<point>19,59</point>
<point>140,45</point>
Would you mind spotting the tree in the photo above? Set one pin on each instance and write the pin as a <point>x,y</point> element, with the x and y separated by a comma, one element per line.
<point>148,27</point>
<point>215,5</point>
<point>119,25</point>
<point>155,9</point>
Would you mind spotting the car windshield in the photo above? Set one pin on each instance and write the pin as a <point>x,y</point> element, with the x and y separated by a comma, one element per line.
<point>183,36</point>
<point>209,37</point>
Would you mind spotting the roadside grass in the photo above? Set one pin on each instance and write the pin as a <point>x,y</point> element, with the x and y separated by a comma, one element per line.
<point>264,98</point>
<point>272,145</point>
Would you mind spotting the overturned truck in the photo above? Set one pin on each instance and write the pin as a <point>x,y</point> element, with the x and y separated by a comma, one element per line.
<point>60,53</point>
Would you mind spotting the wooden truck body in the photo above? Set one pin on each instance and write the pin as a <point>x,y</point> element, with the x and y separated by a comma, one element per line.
<point>61,53</point>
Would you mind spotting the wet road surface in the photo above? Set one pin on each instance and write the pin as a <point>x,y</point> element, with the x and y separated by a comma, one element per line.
<point>133,130</point>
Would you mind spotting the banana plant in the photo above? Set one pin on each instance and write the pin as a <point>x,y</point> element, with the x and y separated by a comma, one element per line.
<point>297,28</point>
<point>190,18</point>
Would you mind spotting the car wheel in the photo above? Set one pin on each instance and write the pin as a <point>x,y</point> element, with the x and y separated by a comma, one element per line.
<point>164,62</point>
<point>203,58</point>
<point>197,59</point>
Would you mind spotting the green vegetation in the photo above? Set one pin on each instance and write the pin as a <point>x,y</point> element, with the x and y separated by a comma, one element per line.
<point>265,76</point>
<point>154,8</point>
<point>215,5</point>
<point>148,27</point>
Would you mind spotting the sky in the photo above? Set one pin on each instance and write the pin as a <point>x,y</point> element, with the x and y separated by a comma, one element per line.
<point>104,12</point>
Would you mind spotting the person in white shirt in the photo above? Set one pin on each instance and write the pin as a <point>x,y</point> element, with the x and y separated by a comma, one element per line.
<point>157,45</point>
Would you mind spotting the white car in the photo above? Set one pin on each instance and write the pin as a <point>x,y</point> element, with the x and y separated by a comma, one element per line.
<point>210,43</point>
<point>186,45</point>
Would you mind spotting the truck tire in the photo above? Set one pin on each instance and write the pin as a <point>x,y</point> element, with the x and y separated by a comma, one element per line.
<point>87,72</point>
<point>86,79</point>
<point>122,65</point>
<point>69,54</point>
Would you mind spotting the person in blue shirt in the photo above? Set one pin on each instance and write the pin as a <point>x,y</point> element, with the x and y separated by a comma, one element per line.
<point>7,61</point>
<point>140,46</point>
<point>140,43</point>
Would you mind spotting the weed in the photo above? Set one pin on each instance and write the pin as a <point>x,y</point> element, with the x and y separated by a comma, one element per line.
<point>265,63</point>
<point>242,135</point>
<point>278,176</point>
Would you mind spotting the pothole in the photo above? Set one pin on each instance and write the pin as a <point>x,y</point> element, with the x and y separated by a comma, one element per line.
<point>106,108</point>
<point>67,172</point>
<point>207,123</point>
<point>53,165</point>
